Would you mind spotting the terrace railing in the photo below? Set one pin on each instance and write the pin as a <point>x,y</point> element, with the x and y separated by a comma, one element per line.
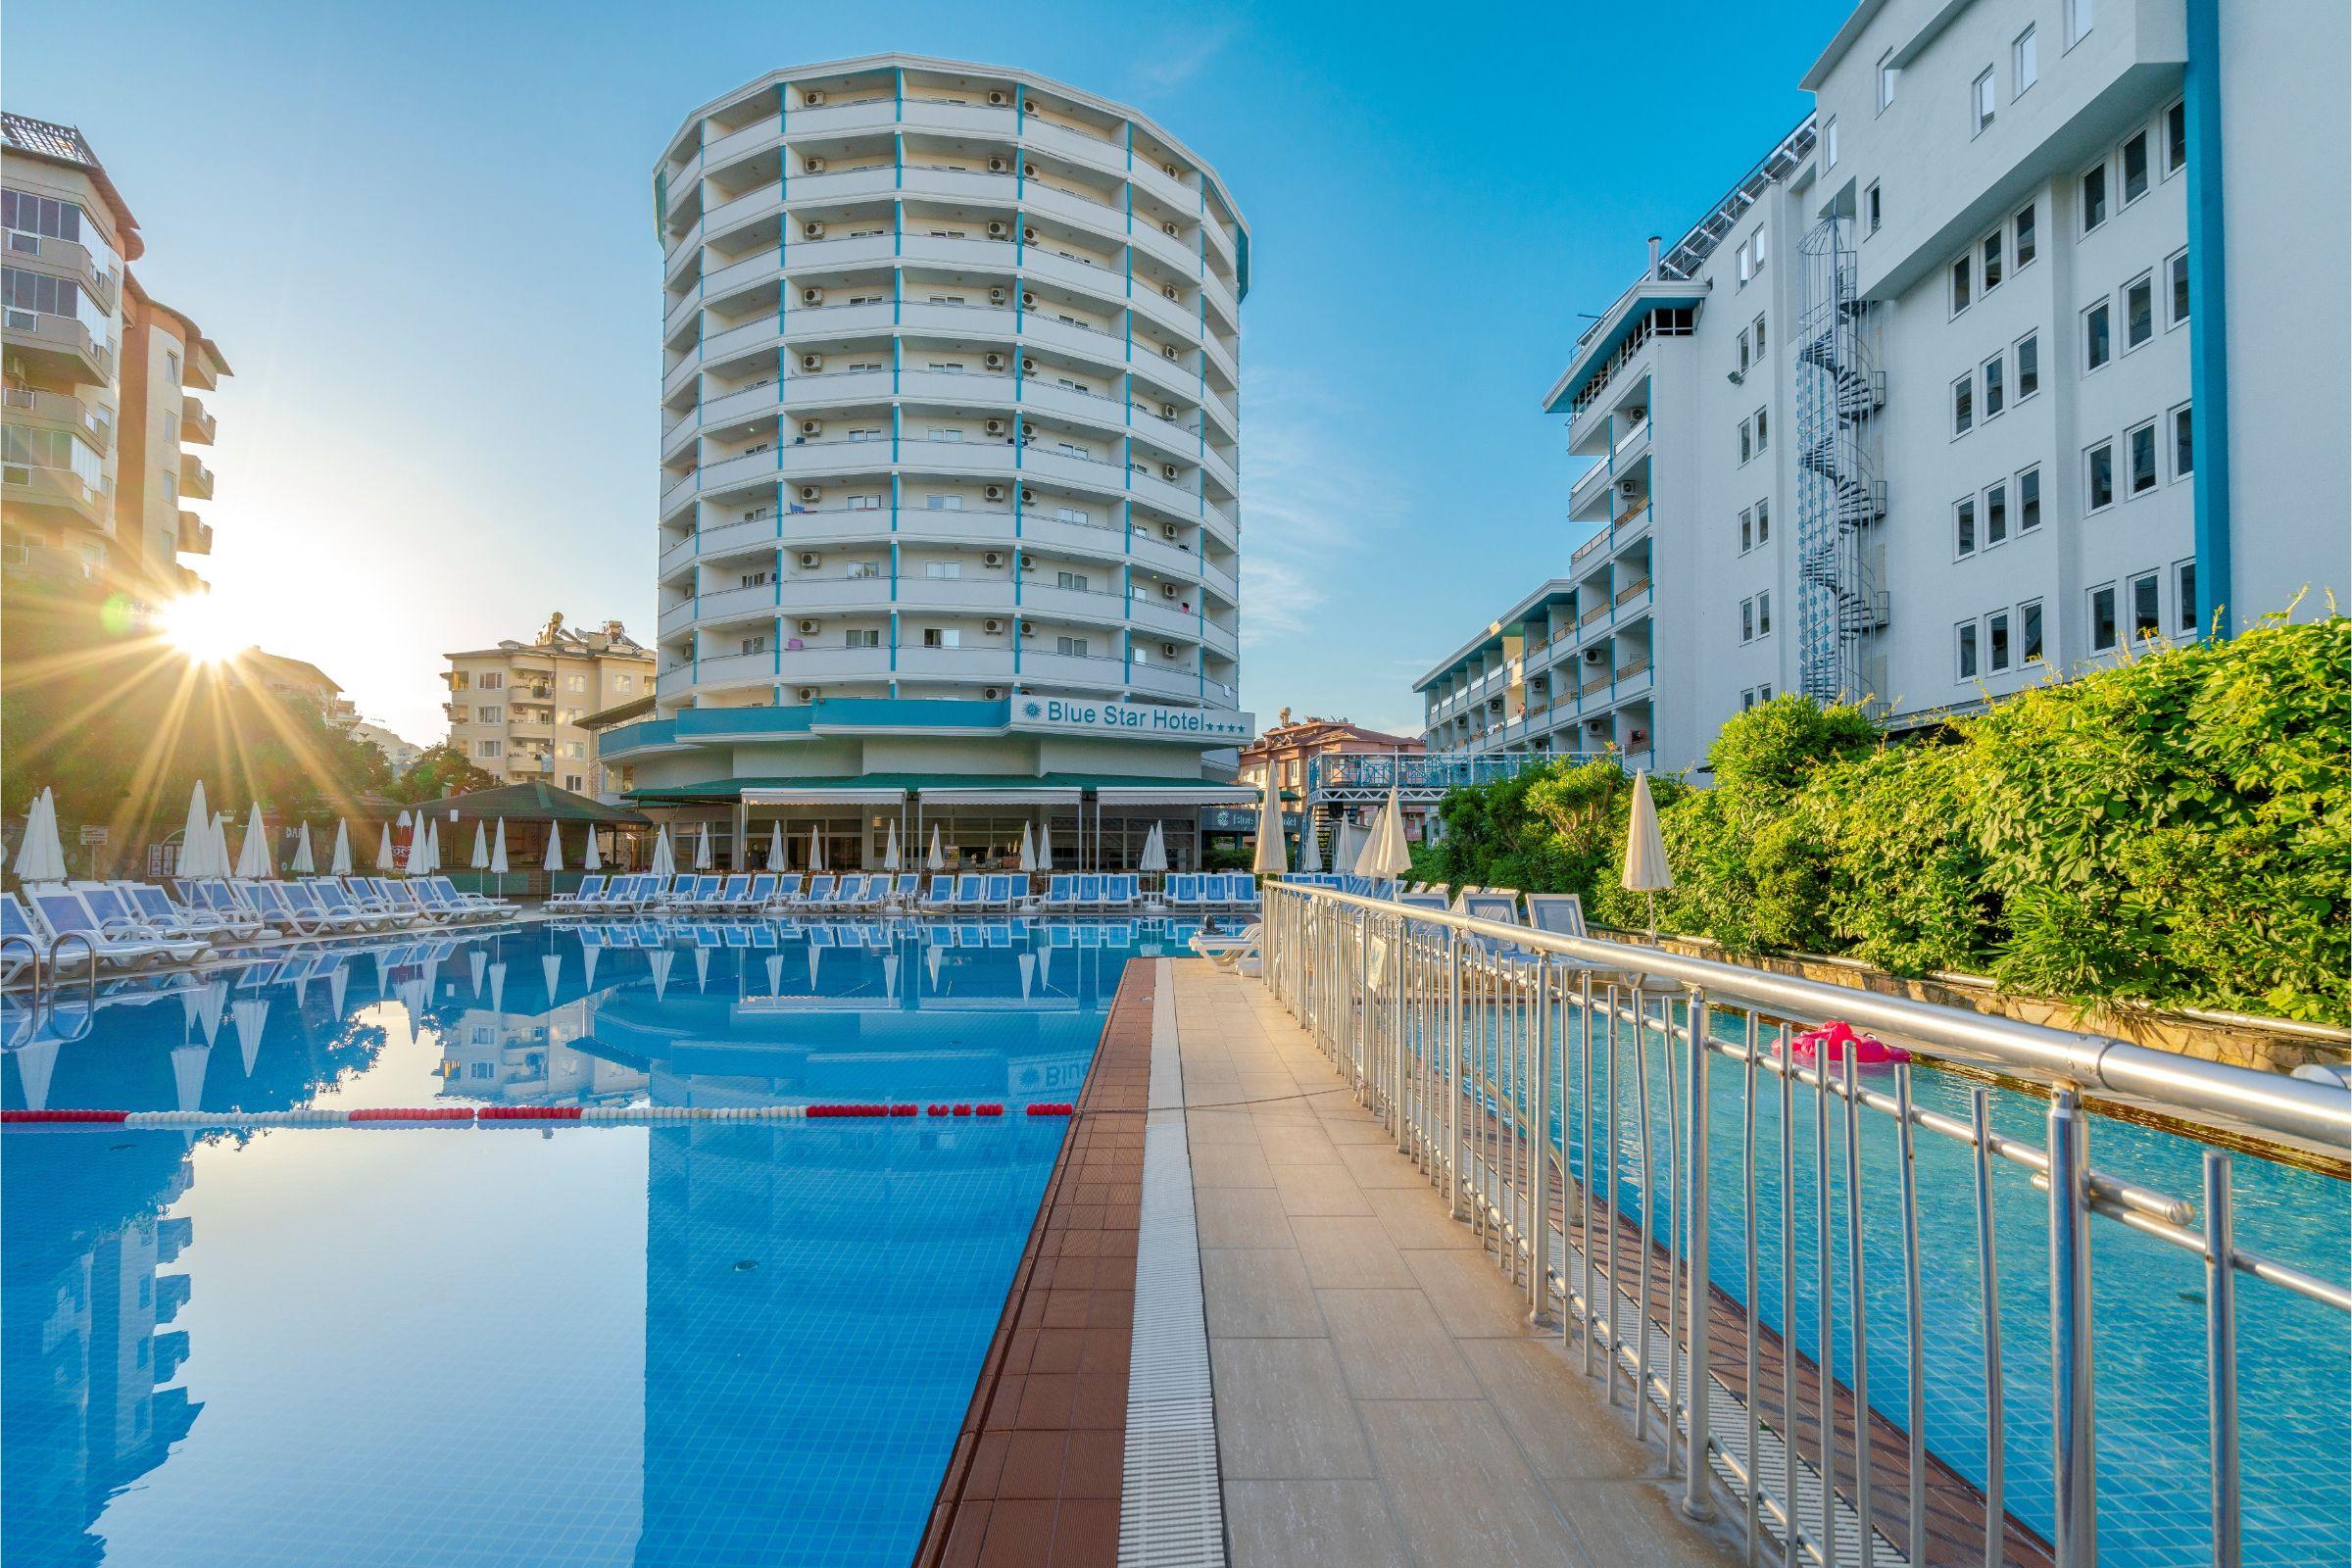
<point>1426,774</point>
<point>1741,1164</point>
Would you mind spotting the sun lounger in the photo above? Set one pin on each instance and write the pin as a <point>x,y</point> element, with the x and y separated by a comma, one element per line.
<point>59,913</point>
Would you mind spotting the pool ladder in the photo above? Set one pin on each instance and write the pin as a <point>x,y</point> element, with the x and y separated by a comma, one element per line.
<point>44,974</point>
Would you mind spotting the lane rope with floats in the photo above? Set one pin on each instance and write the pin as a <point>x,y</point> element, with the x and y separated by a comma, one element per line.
<point>535,1116</point>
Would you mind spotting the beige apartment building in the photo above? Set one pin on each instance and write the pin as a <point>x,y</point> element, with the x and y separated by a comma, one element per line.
<point>515,710</point>
<point>101,416</point>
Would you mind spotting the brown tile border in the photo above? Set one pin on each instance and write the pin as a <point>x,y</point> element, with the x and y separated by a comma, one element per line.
<point>1035,1471</point>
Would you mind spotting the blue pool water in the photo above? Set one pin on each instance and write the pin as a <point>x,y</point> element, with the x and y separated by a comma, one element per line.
<point>711,1342</point>
<point>2295,1356</point>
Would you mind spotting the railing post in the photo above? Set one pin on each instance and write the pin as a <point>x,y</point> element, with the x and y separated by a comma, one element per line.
<point>1453,1073</point>
<point>1695,1501</point>
<point>2075,1522</point>
<point>1538,1175</point>
<point>2221,1356</point>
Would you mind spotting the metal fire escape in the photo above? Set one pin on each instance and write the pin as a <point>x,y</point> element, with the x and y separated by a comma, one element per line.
<point>1840,495</point>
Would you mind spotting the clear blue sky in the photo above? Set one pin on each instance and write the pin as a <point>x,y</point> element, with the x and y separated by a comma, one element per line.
<point>422,236</point>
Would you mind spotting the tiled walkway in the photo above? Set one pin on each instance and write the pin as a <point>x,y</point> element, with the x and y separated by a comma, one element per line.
<point>1379,1397</point>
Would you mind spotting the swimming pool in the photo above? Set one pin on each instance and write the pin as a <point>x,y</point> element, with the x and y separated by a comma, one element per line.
<point>707,1342</point>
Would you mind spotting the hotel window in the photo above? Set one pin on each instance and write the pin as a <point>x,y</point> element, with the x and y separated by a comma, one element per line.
<point>1869,208</point>
<point>1981,98</point>
<point>1743,352</point>
<point>859,571</point>
<point>625,683</point>
<point>1997,642</point>
<point>756,645</point>
<point>2094,198</point>
<point>2185,447</point>
<point>2176,139</point>
<point>1992,386</point>
<point>2139,311</point>
<point>572,782</point>
<point>944,366</point>
<point>1747,530</point>
<point>2023,243</point>
<point>1890,75</point>
<point>860,637</point>
<point>492,680</point>
<point>24,213</point>
<point>943,503</point>
<point>489,716</point>
<point>1747,441</point>
<point>866,504</point>
<point>1967,649</point>
<point>2102,618</point>
<point>1964,527</point>
<point>2140,446</point>
<point>171,366</point>
<point>1756,244</point>
<point>2028,631</point>
<point>1070,647</point>
<point>1991,250</point>
<point>2099,487</point>
<point>2098,336</point>
<point>1960,277</point>
<point>1077,514</point>
<point>2176,272</point>
<point>2024,69</point>
<point>747,580</point>
<point>2147,618</point>
<point>1996,514</point>
<point>1072,582</point>
<point>866,435</point>
<point>2078,20</point>
<point>1746,269</point>
<point>942,637</point>
<point>1763,522</point>
<point>2135,168</point>
<point>1071,448</point>
<point>580,683</point>
<point>1764,694</point>
<point>1763,433</point>
<point>1964,405</point>
<point>1748,620</point>
<point>1764,614</point>
<point>2184,596</point>
<point>1747,698</point>
<point>946,433</point>
<point>1759,333</point>
<point>489,747</point>
<point>943,570</point>
<point>2029,366</point>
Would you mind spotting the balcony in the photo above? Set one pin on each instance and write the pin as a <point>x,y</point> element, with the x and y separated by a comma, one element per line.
<point>66,258</point>
<point>195,535</point>
<point>61,492</point>
<point>59,348</point>
<point>196,422</point>
<point>60,411</point>
<point>195,479</point>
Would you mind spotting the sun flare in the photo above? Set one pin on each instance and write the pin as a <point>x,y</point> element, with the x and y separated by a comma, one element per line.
<point>200,628</point>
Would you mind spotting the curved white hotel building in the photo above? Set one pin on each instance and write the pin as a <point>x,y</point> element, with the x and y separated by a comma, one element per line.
<point>950,446</point>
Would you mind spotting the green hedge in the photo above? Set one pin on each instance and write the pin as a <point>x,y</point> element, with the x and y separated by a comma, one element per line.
<point>2175,831</point>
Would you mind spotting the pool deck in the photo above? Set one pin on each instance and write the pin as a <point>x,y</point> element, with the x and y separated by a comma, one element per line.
<point>1381,1398</point>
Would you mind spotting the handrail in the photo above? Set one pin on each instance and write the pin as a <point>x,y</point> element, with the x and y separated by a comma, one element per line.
<point>2293,1108</point>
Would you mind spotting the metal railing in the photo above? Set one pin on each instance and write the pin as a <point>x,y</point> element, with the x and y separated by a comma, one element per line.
<point>1497,1058</point>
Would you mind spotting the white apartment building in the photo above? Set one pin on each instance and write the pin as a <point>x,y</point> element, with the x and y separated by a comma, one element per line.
<point>2011,437</point>
<point>950,442</point>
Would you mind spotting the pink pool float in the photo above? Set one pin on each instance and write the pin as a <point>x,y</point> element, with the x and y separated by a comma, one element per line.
<point>1838,1037</point>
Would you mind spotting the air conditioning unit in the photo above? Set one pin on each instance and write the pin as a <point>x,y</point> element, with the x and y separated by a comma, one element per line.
<point>1594,656</point>
<point>994,362</point>
<point>810,561</point>
<point>1028,497</point>
<point>1167,530</point>
<point>993,428</point>
<point>812,166</point>
<point>1171,170</point>
<point>1628,487</point>
<point>813,361</point>
<point>812,229</point>
<point>813,100</point>
<point>1167,350</point>
<point>1639,737</point>
<point>999,231</point>
<point>1028,628</point>
<point>1167,227</point>
<point>1028,365</point>
<point>812,296</point>
<point>992,693</point>
<point>1167,650</point>
<point>812,493</point>
<point>1167,411</point>
<point>810,628</point>
<point>1028,234</point>
<point>1028,300</point>
<point>992,558</point>
<point>996,296</point>
<point>997,100</point>
<point>1167,589</point>
<point>1169,289</point>
<point>808,694</point>
<point>995,492</point>
<point>997,165</point>
<point>812,428</point>
<point>1167,471</point>
<point>992,628</point>
<point>1029,171</point>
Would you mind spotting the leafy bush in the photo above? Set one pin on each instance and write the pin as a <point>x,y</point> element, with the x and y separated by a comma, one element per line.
<point>2174,831</point>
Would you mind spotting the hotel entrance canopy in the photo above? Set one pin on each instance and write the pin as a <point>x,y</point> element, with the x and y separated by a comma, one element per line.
<point>948,788</point>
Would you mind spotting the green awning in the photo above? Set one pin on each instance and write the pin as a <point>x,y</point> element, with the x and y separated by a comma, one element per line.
<point>535,802</point>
